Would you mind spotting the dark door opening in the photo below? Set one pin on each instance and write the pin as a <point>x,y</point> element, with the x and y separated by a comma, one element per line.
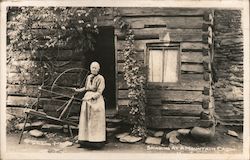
<point>104,53</point>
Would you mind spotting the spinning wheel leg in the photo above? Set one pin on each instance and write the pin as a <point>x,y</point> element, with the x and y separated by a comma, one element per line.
<point>70,131</point>
<point>26,118</point>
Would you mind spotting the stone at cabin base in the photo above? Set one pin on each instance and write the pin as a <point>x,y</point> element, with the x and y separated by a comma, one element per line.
<point>203,134</point>
<point>172,133</point>
<point>20,126</point>
<point>36,133</point>
<point>184,131</point>
<point>158,134</point>
<point>153,140</point>
<point>174,140</point>
<point>232,133</point>
<point>130,139</point>
<point>65,144</point>
<point>120,135</point>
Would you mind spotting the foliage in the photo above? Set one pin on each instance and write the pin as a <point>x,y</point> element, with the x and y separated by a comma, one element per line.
<point>31,29</point>
<point>134,74</point>
<point>11,124</point>
<point>67,26</point>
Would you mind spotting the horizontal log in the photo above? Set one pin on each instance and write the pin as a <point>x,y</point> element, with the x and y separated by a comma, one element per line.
<point>231,122</point>
<point>25,90</point>
<point>185,67</point>
<point>120,67</point>
<point>187,82</point>
<point>230,117</point>
<point>156,11</point>
<point>123,102</point>
<point>56,54</point>
<point>154,102</point>
<point>194,68</point>
<point>189,46</point>
<point>169,22</point>
<point>138,56</point>
<point>176,110</point>
<point>139,45</point>
<point>23,101</point>
<point>195,108</point>
<point>193,57</point>
<point>20,101</point>
<point>68,79</point>
<point>172,122</point>
<point>33,91</point>
<point>171,35</point>
<point>121,83</point>
<point>33,66</point>
<point>23,78</point>
<point>175,96</point>
<point>106,20</point>
<point>123,94</point>
<point>169,95</point>
<point>123,111</point>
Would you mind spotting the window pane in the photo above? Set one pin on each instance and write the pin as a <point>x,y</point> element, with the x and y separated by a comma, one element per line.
<point>170,66</point>
<point>155,65</point>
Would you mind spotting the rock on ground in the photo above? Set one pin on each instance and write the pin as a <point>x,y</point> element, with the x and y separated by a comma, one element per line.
<point>184,131</point>
<point>130,139</point>
<point>37,124</point>
<point>172,133</point>
<point>9,117</point>
<point>120,135</point>
<point>158,134</point>
<point>174,140</point>
<point>20,126</point>
<point>202,133</point>
<point>153,140</point>
<point>232,133</point>
<point>36,133</point>
<point>65,144</point>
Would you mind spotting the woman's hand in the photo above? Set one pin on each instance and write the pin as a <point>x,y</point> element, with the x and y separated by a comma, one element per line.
<point>86,99</point>
<point>78,89</point>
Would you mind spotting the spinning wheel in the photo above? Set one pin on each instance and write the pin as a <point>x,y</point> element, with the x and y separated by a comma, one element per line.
<point>58,92</point>
<point>65,109</point>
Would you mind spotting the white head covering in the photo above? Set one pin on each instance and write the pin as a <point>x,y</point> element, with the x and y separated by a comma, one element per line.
<point>95,64</point>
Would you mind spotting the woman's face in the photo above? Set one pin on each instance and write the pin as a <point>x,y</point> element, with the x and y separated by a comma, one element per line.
<point>94,68</point>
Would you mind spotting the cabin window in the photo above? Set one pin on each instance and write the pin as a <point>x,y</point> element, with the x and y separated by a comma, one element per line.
<point>163,65</point>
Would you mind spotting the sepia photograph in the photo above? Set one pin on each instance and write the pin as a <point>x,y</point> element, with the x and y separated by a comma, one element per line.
<point>125,82</point>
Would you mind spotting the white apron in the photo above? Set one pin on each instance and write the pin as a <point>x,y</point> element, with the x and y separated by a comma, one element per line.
<point>92,124</point>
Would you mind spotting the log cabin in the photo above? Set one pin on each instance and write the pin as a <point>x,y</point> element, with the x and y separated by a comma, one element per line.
<point>176,45</point>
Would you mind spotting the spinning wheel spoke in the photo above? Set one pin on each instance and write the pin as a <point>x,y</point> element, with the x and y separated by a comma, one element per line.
<point>66,107</point>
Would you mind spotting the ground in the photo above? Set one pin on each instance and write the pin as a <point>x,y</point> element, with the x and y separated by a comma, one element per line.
<point>52,143</point>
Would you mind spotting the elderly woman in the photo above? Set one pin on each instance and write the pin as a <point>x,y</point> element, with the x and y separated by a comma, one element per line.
<point>92,125</point>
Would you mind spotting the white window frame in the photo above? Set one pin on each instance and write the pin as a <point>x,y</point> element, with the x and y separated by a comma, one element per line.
<point>164,47</point>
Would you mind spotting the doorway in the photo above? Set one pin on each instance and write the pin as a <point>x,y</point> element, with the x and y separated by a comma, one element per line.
<point>104,53</point>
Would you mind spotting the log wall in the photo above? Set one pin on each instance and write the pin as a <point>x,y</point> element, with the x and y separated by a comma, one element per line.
<point>180,105</point>
<point>186,104</point>
<point>228,62</point>
<point>25,73</point>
